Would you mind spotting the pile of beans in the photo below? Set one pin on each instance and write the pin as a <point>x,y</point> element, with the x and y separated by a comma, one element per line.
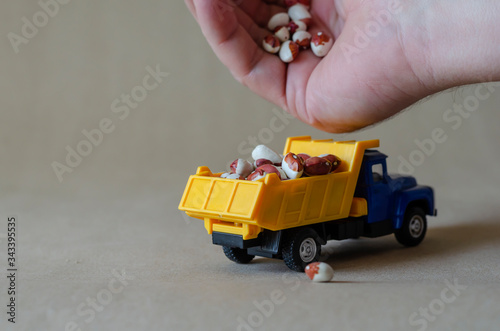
<point>289,33</point>
<point>289,166</point>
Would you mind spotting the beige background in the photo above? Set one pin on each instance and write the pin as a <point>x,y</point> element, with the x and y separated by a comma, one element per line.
<point>117,210</point>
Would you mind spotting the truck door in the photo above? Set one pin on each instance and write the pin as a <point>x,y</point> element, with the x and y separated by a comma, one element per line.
<point>379,192</point>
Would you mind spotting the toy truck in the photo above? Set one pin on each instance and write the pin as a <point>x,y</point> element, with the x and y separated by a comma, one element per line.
<point>291,219</point>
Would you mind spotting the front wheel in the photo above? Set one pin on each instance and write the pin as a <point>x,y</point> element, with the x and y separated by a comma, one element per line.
<point>414,227</point>
<point>237,255</point>
<point>301,248</point>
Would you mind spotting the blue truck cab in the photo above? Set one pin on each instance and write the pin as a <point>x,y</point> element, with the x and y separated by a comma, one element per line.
<point>396,204</point>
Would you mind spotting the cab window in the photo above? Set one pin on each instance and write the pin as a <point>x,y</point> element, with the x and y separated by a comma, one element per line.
<point>377,172</point>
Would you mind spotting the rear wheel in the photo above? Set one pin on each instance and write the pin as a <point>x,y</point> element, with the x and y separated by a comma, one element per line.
<point>301,248</point>
<point>237,255</point>
<point>414,227</point>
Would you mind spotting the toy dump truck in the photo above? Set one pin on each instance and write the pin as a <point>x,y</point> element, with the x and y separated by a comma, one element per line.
<point>291,219</point>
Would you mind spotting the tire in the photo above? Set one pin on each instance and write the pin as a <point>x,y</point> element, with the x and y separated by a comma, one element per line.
<point>414,227</point>
<point>237,255</point>
<point>300,248</point>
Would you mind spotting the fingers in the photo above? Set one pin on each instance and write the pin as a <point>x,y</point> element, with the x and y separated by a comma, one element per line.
<point>245,21</point>
<point>233,37</point>
<point>259,11</point>
<point>256,32</point>
<point>192,9</point>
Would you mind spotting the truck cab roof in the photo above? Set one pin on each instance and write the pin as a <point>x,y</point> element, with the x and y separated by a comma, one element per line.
<point>372,155</point>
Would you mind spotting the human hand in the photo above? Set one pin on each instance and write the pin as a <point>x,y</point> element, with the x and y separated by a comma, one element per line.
<point>387,55</point>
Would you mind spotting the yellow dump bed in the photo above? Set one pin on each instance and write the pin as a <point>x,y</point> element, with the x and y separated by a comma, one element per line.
<point>246,208</point>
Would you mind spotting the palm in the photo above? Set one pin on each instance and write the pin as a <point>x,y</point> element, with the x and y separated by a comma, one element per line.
<point>336,93</point>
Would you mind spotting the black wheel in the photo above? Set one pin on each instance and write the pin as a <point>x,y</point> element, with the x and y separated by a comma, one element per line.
<point>301,248</point>
<point>237,255</point>
<point>414,227</point>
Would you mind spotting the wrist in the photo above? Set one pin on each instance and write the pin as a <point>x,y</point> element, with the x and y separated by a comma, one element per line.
<point>459,42</point>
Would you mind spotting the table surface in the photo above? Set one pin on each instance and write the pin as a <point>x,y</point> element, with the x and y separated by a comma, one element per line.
<point>126,261</point>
